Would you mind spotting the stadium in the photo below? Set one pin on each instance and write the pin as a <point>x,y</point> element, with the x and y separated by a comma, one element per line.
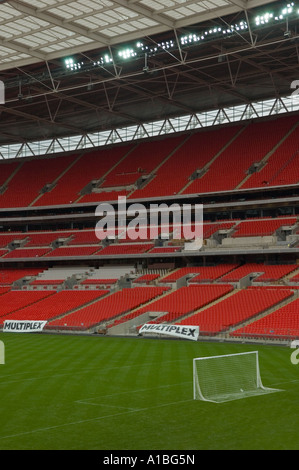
<point>139,339</point>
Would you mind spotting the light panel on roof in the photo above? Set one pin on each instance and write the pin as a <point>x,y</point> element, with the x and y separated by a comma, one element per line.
<point>271,16</point>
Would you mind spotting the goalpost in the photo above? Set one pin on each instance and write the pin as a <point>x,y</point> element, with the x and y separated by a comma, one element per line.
<point>229,377</point>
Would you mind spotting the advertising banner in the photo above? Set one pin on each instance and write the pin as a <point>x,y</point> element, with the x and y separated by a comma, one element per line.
<point>23,326</point>
<point>179,331</point>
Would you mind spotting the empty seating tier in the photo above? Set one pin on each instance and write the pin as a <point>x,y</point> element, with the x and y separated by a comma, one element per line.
<point>107,308</point>
<point>181,302</point>
<point>233,164</point>
<point>260,272</point>
<point>54,305</point>
<point>88,167</point>
<point>194,154</point>
<point>261,228</point>
<point>240,306</point>
<point>249,156</point>
<point>283,324</point>
<point>200,273</point>
<point>10,275</point>
<point>28,182</point>
<point>13,301</point>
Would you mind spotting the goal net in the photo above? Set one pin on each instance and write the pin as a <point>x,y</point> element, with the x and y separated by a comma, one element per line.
<point>229,377</point>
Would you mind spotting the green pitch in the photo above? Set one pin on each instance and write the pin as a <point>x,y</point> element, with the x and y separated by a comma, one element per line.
<point>79,392</point>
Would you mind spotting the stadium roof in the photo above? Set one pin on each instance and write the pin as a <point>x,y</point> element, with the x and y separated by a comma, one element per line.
<point>43,30</point>
<point>109,81</point>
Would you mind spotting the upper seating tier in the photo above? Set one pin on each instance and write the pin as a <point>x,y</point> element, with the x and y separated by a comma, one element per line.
<point>243,156</point>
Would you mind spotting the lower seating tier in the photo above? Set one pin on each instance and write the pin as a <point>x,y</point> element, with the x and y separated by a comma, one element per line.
<point>283,323</point>
<point>215,306</point>
<point>242,305</point>
<point>36,305</point>
<point>105,309</point>
<point>180,302</point>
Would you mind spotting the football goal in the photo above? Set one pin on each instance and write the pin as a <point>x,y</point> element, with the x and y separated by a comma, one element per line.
<point>229,377</point>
